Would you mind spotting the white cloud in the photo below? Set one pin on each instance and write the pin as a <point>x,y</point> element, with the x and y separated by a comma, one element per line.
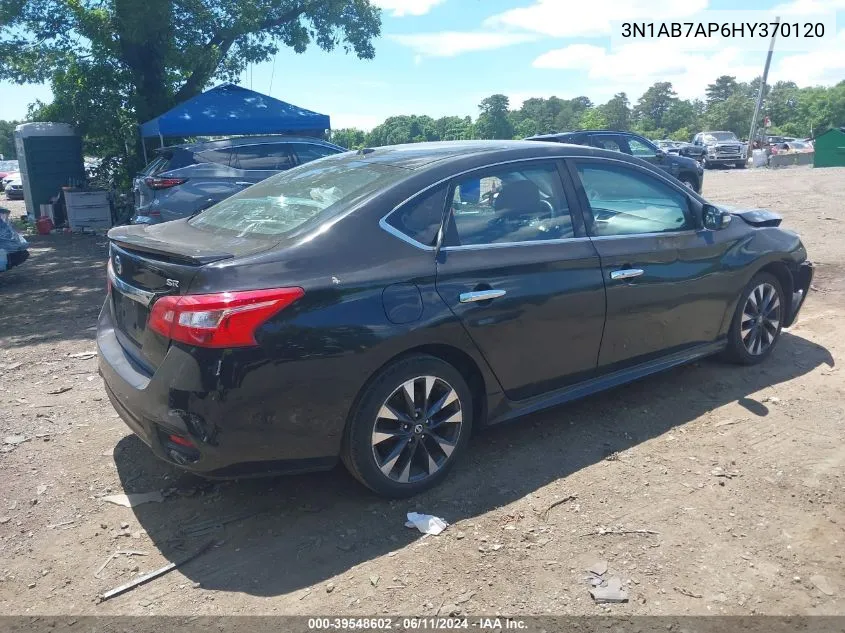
<point>581,19</point>
<point>364,122</point>
<point>634,67</point>
<point>808,7</point>
<point>820,67</point>
<point>451,43</point>
<point>402,8</point>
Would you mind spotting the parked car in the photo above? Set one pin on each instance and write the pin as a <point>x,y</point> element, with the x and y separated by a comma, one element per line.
<point>377,305</point>
<point>185,179</point>
<point>13,186</point>
<point>696,152</point>
<point>792,147</point>
<point>13,247</point>
<point>7,167</point>
<point>688,171</point>
<point>722,148</point>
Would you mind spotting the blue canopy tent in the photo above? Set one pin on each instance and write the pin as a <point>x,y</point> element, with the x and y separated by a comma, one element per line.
<point>228,110</point>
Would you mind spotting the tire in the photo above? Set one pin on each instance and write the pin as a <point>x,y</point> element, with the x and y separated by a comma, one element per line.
<point>410,457</point>
<point>688,182</point>
<point>741,164</point>
<point>765,327</point>
<point>706,163</point>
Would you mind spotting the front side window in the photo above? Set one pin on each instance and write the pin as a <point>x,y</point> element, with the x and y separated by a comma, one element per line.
<point>506,205</point>
<point>625,201</point>
<point>306,152</point>
<point>639,148</point>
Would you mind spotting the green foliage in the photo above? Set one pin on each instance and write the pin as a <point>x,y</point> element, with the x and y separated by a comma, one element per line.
<point>7,139</point>
<point>349,137</point>
<point>493,122</point>
<point>115,64</point>
<point>617,112</point>
<point>654,104</point>
<point>721,89</point>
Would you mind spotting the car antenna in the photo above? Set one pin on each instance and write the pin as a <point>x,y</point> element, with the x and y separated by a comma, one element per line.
<point>365,150</point>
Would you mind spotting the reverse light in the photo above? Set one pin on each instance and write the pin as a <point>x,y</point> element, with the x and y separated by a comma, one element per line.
<point>163,183</point>
<point>225,319</point>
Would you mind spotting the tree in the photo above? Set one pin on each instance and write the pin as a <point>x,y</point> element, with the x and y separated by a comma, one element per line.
<point>617,112</point>
<point>145,57</point>
<point>721,89</point>
<point>493,122</point>
<point>593,119</point>
<point>349,137</point>
<point>7,139</point>
<point>403,129</point>
<point>680,115</point>
<point>654,104</point>
<point>733,114</point>
<point>453,128</point>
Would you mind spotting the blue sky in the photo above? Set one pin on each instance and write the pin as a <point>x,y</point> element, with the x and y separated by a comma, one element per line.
<point>440,57</point>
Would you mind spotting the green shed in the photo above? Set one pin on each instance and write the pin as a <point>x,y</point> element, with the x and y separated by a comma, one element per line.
<point>830,148</point>
<point>50,157</point>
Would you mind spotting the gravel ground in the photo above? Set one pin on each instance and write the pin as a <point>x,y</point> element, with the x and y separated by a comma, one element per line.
<point>710,489</point>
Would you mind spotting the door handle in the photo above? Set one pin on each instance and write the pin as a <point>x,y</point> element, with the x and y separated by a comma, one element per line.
<point>626,273</point>
<point>481,295</point>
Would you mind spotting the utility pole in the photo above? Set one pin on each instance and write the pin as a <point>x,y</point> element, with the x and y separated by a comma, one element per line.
<point>751,135</point>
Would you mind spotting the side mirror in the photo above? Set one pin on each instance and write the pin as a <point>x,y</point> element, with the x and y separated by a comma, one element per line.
<point>715,218</point>
<point>660,152</point>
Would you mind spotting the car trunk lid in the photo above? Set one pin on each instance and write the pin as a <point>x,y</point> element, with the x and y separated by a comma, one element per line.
<point>147,262</point>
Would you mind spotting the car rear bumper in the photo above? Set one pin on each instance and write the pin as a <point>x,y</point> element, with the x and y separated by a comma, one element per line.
<point>229,431</point>
<point>14,194</point>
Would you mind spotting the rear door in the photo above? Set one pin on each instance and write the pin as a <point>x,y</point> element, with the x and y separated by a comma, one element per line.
<point>665,283</point>
<point>519,272</point>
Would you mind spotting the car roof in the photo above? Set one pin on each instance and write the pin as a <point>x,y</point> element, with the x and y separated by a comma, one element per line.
<point>418,156</point>
<point>248,140</point>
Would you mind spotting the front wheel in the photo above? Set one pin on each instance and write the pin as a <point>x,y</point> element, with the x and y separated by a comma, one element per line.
<point>688,182</point>
<point>741,164</point>
<point>411,424</point>
<point>757,322</point>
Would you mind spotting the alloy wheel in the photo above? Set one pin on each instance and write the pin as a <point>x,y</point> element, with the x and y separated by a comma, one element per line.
<point>761,319</point>
<point>417,429</point>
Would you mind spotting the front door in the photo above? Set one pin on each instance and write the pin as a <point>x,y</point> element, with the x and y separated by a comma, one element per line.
<point>519,272</point>
<point>665,284</point>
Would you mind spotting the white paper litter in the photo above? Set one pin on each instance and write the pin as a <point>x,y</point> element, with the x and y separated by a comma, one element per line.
<point>426,523</point>
<point>135,499</point>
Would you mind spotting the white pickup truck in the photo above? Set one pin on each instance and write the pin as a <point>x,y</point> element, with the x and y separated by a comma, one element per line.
<point>723,148</point>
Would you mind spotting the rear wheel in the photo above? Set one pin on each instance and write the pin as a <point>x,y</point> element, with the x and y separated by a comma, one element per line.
<point>409,427</point>
<point>757,323</point>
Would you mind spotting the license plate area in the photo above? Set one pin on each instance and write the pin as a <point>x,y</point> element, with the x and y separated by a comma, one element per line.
<point>130,316</point>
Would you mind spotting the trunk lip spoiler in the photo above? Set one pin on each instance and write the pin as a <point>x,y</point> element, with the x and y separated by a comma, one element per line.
<point>184,258</point>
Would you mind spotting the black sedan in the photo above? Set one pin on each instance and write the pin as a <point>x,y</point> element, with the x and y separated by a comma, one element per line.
<point>376,306</point>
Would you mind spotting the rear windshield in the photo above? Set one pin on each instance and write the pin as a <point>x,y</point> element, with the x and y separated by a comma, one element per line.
<point>298,199</point>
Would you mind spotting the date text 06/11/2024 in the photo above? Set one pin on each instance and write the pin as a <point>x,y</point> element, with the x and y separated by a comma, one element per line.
<point>651,30</point>
<point>417,624</point>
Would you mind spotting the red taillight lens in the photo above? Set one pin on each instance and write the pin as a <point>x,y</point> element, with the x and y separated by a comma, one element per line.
<point>225,319</point>
<point>162,183</point>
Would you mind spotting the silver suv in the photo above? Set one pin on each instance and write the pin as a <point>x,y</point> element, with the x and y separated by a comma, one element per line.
<point>185,179</point>
<point>721,148</point>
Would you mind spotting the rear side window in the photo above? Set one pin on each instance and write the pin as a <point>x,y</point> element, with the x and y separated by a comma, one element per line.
<point>299,199</point>
<point>420,219</point>
<point>156,165</point>
<point>263,157</point>
<point>218,156</point>
<point>306,152</point>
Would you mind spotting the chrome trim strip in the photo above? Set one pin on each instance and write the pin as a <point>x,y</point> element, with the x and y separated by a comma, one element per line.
<point>144,297</point>
<point>397,233</point>
<point>659,234</point>
<point>480,247</point>
<point>481,295</point>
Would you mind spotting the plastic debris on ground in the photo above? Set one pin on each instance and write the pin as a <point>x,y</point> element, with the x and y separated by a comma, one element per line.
<point>426,523</point>
<point>135,499</point>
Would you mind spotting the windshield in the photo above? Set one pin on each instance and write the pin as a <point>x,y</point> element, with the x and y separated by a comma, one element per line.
<point>298,199</point>
<point>715,137</point>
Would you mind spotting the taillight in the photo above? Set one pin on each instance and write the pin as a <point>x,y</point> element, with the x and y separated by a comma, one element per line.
<point>225,319</point>
<point>162,183</point>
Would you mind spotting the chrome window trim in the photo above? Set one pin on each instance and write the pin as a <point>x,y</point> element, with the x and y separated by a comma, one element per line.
<point>144,297</point>
<point>479,247</point>
<point>397,233</point>
<point>657,234</point>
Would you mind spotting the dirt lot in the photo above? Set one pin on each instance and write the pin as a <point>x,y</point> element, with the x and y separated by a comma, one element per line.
<point>737,471</point>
